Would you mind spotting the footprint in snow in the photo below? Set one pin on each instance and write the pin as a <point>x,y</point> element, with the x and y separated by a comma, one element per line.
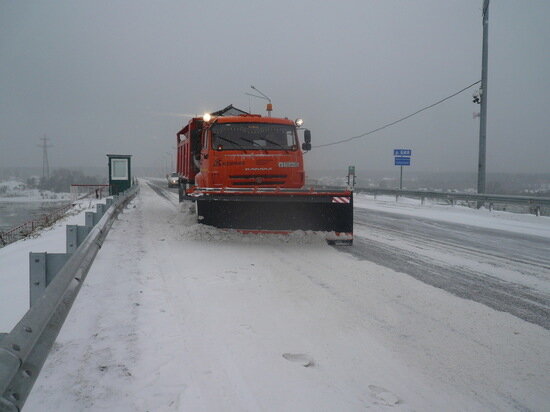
<point>301,358</point>
<point>384,396</point>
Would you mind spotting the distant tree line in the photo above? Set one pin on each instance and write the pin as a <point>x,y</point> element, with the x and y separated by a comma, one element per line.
<point>61,180</point>
<point>533,184</point>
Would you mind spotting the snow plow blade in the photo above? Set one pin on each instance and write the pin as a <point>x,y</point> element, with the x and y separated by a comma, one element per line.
<point>282,211</point>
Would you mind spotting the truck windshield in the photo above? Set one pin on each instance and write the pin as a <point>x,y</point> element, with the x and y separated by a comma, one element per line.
<point>253,136</point>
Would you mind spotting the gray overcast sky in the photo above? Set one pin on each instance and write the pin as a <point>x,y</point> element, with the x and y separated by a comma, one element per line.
<point>102,77</point>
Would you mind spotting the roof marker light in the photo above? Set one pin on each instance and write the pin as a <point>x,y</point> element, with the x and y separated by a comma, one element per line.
<point>299,122</point>
<point>206,117</point>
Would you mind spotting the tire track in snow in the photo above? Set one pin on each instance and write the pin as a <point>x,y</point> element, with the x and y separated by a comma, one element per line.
<point>162,192</point>
<point>511,247</point>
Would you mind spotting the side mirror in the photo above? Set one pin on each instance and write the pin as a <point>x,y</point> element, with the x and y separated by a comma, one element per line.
<point>307,140</point>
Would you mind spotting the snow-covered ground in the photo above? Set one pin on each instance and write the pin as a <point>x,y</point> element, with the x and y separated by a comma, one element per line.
<point>178,316</point>
<point>500,220</point>
<point>14,262</point>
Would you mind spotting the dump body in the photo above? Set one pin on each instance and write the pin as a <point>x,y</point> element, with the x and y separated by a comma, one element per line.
<point>246,172</point>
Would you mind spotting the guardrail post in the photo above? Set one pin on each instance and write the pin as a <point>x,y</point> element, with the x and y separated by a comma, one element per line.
<point>396,197</point>
<point>75,236</point>
<point>71,238</point>
<point>37,275</point>
<point>422,200</point>
<point>90,219</point>
<point>100,207</point>
<point>43,267</point>
<point>537,211</point>
<point>108,202</point>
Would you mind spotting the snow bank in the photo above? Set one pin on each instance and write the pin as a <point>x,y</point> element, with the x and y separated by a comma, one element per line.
<point>499,220</point>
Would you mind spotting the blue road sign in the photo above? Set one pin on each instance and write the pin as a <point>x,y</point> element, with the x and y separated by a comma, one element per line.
<point>402,152</point>
<point>402,161</point>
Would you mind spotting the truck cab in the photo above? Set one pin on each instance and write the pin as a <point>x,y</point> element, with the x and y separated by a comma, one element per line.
<point>235,149</point>
<point>250,151</point>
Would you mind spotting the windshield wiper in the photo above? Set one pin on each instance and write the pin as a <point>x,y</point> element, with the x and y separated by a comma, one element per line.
<point>276,144</point>
<point>217,136</point>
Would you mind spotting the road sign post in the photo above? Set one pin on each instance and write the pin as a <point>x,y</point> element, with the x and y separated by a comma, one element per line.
<point>402,157</point>
<point>351,176</point>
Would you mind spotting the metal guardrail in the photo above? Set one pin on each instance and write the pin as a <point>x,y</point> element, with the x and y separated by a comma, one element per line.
<point>536,203</point>
<point>24,350</point>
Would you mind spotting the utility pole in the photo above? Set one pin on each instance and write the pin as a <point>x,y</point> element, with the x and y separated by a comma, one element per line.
<point>483,101</point>
<point>45,163</point>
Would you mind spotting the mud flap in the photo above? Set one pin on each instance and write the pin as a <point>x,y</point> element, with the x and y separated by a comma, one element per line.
<point>181,191</point>
<point>257,212</point>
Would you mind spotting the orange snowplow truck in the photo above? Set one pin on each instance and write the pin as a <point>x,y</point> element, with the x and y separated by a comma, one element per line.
<point>246,172</point>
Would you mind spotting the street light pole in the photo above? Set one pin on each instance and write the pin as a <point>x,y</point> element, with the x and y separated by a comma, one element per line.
<point>263,96</point>
<point>483,98</point>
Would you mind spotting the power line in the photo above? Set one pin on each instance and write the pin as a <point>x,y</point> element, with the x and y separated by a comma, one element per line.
<point>399,120</point>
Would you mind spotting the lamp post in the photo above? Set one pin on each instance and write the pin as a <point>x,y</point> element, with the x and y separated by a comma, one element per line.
<point>269,107</point>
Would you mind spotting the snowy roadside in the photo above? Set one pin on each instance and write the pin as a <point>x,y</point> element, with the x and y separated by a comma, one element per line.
<point>499,220</point>
<point>14,262</point>
<point>175,316</point>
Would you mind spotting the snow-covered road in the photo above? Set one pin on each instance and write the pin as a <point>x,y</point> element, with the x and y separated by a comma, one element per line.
<point>507,271</point>
<point>178,316</point>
